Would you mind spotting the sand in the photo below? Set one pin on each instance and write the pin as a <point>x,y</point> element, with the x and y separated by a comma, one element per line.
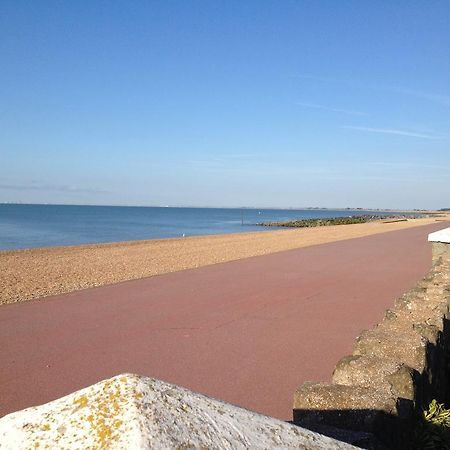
<point>37,273</point>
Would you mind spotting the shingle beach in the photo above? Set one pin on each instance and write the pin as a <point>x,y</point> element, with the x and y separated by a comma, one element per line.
<point>36,273</point>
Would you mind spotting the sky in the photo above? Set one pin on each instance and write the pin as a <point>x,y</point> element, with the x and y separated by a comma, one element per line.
<point>259,103</point>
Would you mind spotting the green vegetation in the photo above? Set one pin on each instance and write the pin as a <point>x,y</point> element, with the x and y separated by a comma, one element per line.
<point>433,431</point>
<point>307,223</point>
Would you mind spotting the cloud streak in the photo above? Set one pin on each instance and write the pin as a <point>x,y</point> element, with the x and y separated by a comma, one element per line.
<point>442,99</point>
<point>436,98</point>
<point>37,186</point>
<point>330,108</point>
<point>393,131</point>
<point>407,164</point>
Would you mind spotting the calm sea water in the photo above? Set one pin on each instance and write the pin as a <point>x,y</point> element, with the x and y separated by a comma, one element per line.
<point>28,226</point>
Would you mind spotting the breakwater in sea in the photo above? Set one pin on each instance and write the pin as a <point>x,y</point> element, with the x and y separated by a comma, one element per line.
<point>329,221</point>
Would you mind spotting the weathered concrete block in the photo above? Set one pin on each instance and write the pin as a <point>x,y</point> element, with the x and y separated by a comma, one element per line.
<point>441,251</point>
<point>351,407</point>
<point>330,397</point>
<point>395,378</point>
<point>132,412</point>
<point>430,332</point>
<point>426,318</point>
<point>440,244</point>
<point>406,347</point>
<point>403,382</point>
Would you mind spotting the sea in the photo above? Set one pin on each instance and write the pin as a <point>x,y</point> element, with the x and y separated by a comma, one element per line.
<point>30,226</point>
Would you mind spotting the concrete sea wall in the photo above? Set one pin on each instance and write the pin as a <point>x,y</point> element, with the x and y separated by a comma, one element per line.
<point>396,368</point>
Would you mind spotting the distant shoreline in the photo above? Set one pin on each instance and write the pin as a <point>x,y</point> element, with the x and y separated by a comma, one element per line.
<point>274,208</point>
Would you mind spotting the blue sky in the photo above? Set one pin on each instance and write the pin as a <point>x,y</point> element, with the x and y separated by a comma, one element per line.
<point>226,103</point>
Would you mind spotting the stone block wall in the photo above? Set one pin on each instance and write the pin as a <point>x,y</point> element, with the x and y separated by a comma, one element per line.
<point>396,368</point>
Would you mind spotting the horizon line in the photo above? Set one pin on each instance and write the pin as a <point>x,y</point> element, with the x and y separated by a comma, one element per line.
<point>298,208</point>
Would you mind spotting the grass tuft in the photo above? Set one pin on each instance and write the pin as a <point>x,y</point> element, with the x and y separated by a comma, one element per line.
<point>433,430</point>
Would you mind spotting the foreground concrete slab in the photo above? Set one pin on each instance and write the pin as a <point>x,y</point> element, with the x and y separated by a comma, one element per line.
<point>132,412</point>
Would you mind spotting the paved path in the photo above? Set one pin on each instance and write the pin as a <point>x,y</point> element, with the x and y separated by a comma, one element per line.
<point>248,332</point>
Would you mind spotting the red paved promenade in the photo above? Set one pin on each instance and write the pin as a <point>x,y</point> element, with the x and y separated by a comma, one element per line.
<point>248,332</point>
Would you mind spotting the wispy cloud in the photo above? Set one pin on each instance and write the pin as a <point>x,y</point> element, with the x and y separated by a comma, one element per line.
<point>443,99</point>
<point>408,164</point>
<point>394,131</point>
<point>37,186</point>
<point>330,108</point>
<point>436,98</point>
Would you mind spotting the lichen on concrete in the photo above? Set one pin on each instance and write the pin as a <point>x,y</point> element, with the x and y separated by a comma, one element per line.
<point>133,412</point>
